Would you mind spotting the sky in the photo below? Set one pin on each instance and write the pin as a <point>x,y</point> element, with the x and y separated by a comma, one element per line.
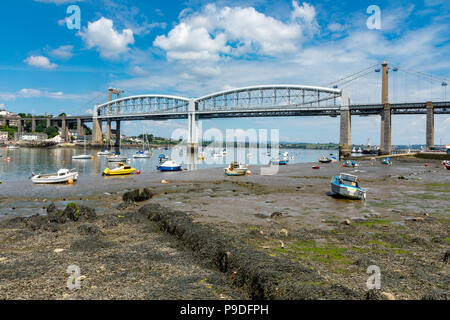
<point>193,48</point>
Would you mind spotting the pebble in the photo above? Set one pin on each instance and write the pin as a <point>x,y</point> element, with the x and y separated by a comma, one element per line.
<point>387,296</point>
<point>2,259</point>
<point>58,250</point>
<point>346,222</point>
<point>163,181</point>
<point>284,231</point>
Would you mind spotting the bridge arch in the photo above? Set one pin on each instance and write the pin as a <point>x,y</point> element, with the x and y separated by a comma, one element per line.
<point>143,104</point>
<point>268,97</point>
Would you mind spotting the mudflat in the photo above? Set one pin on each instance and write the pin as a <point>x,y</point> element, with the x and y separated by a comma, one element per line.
<point>289,219</point>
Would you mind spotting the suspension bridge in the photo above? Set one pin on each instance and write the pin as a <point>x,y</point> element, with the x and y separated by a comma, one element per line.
<point>332,100</point>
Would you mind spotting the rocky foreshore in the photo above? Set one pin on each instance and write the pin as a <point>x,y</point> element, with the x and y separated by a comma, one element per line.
<point>257,237</point>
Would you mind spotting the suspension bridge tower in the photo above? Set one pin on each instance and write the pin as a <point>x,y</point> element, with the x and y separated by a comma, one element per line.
<point>385,140</point>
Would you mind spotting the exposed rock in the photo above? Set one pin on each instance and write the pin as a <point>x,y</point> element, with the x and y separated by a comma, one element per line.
<point>284,232</point>
<point>446,258</point>
<point>346,222</point>
<point>91,230</point>
<point>58,250</point>
<point>373,294</point>
<point>137,196</point>
<point>276,214</point>
<point>76,212</point>
<point>437,294</point>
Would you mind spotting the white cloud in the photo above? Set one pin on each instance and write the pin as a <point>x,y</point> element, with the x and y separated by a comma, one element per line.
<point>110,43</point>
<point>63,52</point>
<point>30,93</point>
<point>40,62</point>
<point>236,31</point>
<point>138,71</point>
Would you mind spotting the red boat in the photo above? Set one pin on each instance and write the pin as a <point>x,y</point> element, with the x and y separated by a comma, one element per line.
<point>315,167</point>
<point>447,166</point>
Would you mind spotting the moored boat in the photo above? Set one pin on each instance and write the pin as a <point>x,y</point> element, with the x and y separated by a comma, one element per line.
<point>349,163</point>
<point>12,147</point>
<point>169,165</point>
<point>142,154</point>
<point>163,158</point>
<point>117,157</point>
<point>121,169</point>
<point>104,152</point>
<point>346,185</point>
<point>62,176</point>
<point>236,169</point>
<point>324,159</point>
<point>386,160</point>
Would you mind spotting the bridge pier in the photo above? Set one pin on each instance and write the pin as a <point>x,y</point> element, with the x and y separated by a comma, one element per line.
<point>430,125</point>
<point>108,131</point>
<point>80,127</point>
<point>19,126</point>
<point>64,129</point>
<point>33,124</point>
<point>117,144</point>
<point>97,130</point>
<point>48,122</point>
<point>192,142</point>
<point>385,140</point>
<point>345,144</point>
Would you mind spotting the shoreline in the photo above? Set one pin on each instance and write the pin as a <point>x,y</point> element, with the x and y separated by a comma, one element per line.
<point>402,228</point>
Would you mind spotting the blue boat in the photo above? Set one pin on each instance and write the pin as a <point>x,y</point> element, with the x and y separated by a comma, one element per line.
<point>386,160</point>
<point>346,185</point>
<point>169,165</point>
<point>349,163</point>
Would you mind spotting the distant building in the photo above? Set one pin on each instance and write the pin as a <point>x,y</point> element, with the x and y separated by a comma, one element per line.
<point>3,136</point>
<point>30,136</point>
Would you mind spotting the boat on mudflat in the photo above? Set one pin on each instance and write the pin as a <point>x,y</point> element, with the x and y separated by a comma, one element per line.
<point>349,163</point>
<point>324,159</point>
<point>386,160</point>
<point>62,176</point>
<point>236,169</point>
<point>121,169</point>
<point>169,165</point>
<point>346,185</point>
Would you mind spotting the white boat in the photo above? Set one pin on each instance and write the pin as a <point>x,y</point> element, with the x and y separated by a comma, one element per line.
<point>103,153</point>
<point>169,165</point>
<point>62,176</point>
<point>142,154</point>
<point>117,158</point>
<point>217,155</point>
<point>83,156</point>
<point>347,185</point>
<point>12,147</point>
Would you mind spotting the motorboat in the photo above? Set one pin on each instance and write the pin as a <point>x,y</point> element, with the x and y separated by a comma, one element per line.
<point>386,160</point>
<point>446,163</point>
<point>279,161</point>
<point>349,163</point>
<point>62,176</point>
<point>12,147</point>
<point>324,159</point>
<point>117,157</point>
<point>121,169</point>
<point>354,150</point>
<point>169,165</point>
<point>346,185</point>
<point>104,152</point>
<point>236,169</point>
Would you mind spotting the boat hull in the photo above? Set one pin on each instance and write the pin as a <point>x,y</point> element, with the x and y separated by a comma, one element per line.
<point>236,172</point>
<point>348,191</point>
<point>39,179</point>
<point>162,168</point>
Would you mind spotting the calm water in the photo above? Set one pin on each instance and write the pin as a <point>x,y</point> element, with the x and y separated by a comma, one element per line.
<point>24,161</point>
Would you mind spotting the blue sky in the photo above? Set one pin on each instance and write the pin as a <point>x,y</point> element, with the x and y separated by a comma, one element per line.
<point>192,48</point>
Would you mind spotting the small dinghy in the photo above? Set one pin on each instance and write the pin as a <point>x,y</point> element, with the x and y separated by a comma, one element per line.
<point>142,155</point>
<point>12,147</point>
<point>169,165</point>
<point>316,167</point>
<point>280,162</point>
<point>82,157</point>
<point>117,157</point>
<point>121,169</point>
<point>346,185</point>
<point>62,176</point>
<point>349,163</point>
<point>324,159</point>
<point>446,163</point>
<point>236,169</point>
<point>386,160</point>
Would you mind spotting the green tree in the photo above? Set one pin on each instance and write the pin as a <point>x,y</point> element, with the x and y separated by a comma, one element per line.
<point>51,132</point>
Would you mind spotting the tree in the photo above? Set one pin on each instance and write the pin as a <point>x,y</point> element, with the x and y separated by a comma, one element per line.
<point>51,132</point>
<point>62,114</point>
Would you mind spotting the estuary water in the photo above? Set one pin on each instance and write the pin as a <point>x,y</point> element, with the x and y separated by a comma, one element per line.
<point>19,164</point>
